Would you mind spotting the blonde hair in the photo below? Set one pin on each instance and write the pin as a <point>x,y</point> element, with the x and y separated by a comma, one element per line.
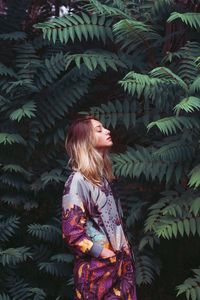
<point>83,157</point>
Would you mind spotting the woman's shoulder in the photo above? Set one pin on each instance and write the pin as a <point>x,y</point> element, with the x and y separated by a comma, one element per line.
<point>76,177</point>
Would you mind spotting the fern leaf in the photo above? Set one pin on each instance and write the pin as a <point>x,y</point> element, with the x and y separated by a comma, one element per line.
<point>8,227</point>
<point>11,138</point>
<point>132,34</point>
<point>53,268</point>
<point>195,206</point>
<point>190,19</point>
<point>188,104</point>
<point>171,124</point>
<point>4,297</point>
<point>190,287</point>
<point>146,269</point>
<point>27,110</point>
<point>13,256</point>
<point>76,26</point>
<point>102,9</point>
<point>194,177</point>
<point>13,36</point>
<point>5,71</point>
<point>116,112</point>
<point>49,233</point>
<point>62,257</point>
<point>92,59</point>
<point>195,86</point>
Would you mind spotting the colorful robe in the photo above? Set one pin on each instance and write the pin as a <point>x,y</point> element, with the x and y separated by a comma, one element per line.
<point>91,220</point>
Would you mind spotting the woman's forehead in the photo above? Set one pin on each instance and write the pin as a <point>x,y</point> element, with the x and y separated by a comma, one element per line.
<point>95,123</point>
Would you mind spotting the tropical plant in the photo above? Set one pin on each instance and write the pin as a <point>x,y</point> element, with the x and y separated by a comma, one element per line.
<point>134,65</point>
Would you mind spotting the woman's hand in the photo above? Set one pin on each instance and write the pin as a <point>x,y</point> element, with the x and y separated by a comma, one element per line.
<point>106,253</point>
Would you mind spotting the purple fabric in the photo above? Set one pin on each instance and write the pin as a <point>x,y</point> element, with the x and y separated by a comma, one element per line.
<point>92,220</point>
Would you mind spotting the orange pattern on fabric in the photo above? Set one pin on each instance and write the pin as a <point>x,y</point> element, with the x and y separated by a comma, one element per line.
<point>117,292</point>
<point>78,294</point>
<point>85,245</point>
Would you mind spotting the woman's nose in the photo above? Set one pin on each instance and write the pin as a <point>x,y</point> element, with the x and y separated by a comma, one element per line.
<point>107,131</point>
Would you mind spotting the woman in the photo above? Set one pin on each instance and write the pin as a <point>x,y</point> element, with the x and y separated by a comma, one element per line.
<point>92,224</point>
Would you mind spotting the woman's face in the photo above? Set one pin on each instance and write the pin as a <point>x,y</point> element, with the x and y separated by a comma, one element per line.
<point>102,135</point>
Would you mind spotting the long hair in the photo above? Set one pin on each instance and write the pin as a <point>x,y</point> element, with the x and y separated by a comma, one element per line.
<point>83,157</point>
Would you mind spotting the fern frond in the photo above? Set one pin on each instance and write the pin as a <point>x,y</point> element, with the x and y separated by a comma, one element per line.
<point>195,206</point>
<point>93,58</point>
<point>116,112</point>
<point>49,233</point>
<point>159,82</point>
<point>5,71</point>
<point>50,69</point>
<point>195,86</point>
<point>141,161</point>
<point>62,257</point>
<point>131,34</point>
<point>8,227</point>
<point>27,110</point>
<point>190,19</point>
<point>188,104</point>
<point>53,268</point>
<point>4,297</point>
<point>13,256</point>
<point>171,124</point>
<point>74,26</point>
<point>169,228</point>
<point>190,287</point>
<point>194,177</point>
<point>11,138</point>
<point>13,36</point>
<point>148,239</point>
<point>103,9</point>
<point>176,151</point>
<point>146,269</point>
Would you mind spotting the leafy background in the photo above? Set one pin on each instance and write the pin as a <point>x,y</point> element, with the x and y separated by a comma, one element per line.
<point>136,66</point>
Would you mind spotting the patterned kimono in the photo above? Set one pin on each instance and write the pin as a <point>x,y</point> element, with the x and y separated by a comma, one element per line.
<point>91,220</point>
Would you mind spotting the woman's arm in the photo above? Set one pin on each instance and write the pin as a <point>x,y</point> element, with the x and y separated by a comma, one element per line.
<point>74,220</point>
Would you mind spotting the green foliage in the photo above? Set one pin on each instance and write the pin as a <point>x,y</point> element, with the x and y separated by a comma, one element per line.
<point>116,112</point>
<point>74,26</point>
<point>13,256</point>
<point>93,59</point>
<point>190,19</point>
<point>143,81</point>
<point>190,286</point>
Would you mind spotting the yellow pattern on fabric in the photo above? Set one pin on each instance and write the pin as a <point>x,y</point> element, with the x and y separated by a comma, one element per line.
<point>85,245</point>
<point>78,294</point>
<point>80,270</point>
<point>117,292</point>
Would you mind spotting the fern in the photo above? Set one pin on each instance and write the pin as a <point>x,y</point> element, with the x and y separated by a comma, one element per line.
<point>27,110</point>
<point>53,268</point>
<point>49,233</point>
<point>190,287</point>
<point>194,177</point>
<point>11,138</point>
<point>103,9</point>
<point>188,104</point>
<point>131,34</point>
<point>135,163</point>
<point>190,19</point>
<point>8,227</point>
<point>13,256</point>
<point>17,35</point>
<point>116,112</point>
<point>75,26</point>
<point>92,59</point>
<point>146,269</point>
<point>170,125</point>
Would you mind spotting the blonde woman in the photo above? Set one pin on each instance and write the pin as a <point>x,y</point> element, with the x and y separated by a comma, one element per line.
<point>92,217</point>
